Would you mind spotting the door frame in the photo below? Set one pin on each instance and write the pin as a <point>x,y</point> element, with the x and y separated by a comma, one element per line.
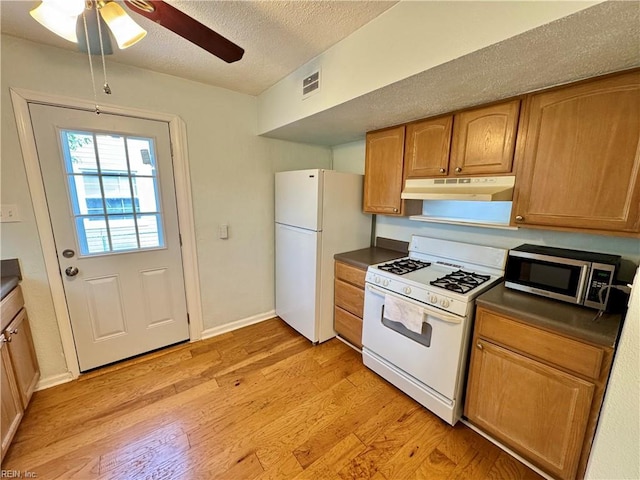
<point>182,179</point>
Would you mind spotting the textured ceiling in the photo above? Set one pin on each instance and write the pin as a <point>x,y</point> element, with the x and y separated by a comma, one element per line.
<point>278,37</point>
<point>601,39</point>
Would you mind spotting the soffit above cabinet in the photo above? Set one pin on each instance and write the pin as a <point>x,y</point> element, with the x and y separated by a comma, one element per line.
<point>592,42</point>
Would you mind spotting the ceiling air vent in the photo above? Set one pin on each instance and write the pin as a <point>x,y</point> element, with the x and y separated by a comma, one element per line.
<point>311,84</point>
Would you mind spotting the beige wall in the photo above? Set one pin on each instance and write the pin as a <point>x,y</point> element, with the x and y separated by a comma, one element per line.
<point>231,174</point>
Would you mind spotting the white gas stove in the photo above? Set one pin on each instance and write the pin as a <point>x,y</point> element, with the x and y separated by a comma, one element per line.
<point>418,316</point>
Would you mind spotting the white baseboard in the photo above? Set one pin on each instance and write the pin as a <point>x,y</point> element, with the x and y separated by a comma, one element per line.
<point>228,327</point>
<point>54,380</point>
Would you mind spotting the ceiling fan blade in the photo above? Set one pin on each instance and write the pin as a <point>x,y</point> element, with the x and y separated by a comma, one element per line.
<point>188,28</point>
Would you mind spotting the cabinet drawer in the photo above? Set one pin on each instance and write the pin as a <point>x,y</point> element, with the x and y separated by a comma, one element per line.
<point>350,274</point>
<point>348,326</point>
<point>11,305</point>
<point>349,297</point>
<point>563,352</point>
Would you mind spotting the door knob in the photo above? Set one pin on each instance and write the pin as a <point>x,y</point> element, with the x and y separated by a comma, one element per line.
<point>442,170</point>
<point>519,218</point>
<point>458,169</point>
<point>71,271</point>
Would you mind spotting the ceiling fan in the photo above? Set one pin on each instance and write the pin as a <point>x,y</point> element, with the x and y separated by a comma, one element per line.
<point>64,17</point>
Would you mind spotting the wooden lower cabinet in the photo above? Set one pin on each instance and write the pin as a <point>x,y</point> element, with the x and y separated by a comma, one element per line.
<point>519,394</point>
<point>11,406</point>
<point>20,371</point>
<point>23,356</point>
<point>349,302</point>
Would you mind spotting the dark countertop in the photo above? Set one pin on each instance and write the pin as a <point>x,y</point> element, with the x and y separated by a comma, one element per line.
<point>11,276</point>
<point>8,284</point>
<point>563,318</point>
<point>385,250</point>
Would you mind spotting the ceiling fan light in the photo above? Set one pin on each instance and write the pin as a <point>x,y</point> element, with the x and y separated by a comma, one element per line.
<point>55,20</point>
<point>68,7</point>
<point>124,29</point>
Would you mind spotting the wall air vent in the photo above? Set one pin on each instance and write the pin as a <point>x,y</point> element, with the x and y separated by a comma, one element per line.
<point>310,84</point>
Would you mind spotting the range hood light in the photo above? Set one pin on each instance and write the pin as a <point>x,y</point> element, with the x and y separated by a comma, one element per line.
<point>485,189</point>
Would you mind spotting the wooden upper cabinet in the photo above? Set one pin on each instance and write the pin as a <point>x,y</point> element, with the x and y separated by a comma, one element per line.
<point>484,139</point>
<point>384,173</point>
<point>427,147</point>
<point>580,163</point>
<point>480,141</point>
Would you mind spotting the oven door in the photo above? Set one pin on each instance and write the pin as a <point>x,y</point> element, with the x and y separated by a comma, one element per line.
<point>432,357</point>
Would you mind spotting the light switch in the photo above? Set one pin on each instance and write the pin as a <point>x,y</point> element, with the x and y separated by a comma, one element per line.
<point>9,213</point>
<point>223,232</point>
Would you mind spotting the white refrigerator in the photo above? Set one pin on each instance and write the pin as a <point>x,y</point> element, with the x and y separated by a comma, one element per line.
<point>318,214</point>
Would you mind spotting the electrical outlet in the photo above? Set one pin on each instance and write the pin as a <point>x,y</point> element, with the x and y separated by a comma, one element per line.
<point>223,232</point>
<point>9,213</point>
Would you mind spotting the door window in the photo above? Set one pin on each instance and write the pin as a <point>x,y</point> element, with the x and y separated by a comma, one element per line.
<point>113,187</point>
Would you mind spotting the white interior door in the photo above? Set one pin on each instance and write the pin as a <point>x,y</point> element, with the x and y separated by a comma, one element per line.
<point>109,186</point>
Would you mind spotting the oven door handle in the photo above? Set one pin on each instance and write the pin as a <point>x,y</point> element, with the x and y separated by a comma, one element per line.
<point>433,312</point>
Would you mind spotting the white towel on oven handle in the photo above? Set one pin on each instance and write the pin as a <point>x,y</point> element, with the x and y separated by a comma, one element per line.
<point>406,313</point>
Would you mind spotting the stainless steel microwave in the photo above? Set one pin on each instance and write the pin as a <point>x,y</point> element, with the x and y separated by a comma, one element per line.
<point>572,276</point>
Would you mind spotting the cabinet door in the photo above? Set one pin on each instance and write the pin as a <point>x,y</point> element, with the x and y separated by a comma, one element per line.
<point>535,409</point>
<point>581,159</point>
<point>23,356</point>
<point>11,408</point>
<point>427,147</point>
<point>383,171</point>
<point>484,139</point>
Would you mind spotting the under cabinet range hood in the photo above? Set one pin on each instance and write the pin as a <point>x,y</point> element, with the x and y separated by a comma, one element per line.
<point>485,189</point>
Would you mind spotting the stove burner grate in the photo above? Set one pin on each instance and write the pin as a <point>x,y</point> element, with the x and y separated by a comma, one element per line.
<point>404,265</point>
<point>460,281</point>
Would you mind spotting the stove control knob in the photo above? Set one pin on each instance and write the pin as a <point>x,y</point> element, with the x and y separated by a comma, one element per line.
<point>376,279</point>
<point>433,299</point>
<point>385,283</point>
<point>407,290</point>
<point>444,303</point>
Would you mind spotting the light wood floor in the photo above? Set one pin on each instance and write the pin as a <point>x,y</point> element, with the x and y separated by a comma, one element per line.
<point>257,403</point>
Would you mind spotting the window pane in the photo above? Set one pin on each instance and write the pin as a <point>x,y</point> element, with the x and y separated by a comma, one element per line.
<point>150,230</point>
<point>142,159</point>
<point>80,154</point>
<point>121,179</point>
<point>123,232</point>
<point>117,194</point>
<point>92,235</point>
<point>112,154</point>
<point>145,194</point>
<point>84,191</point>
